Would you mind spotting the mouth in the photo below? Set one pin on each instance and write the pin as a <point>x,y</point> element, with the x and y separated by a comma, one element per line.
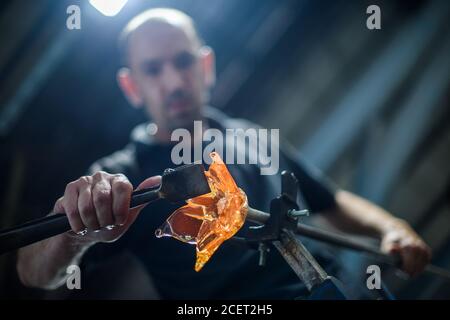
<point>179,107</point>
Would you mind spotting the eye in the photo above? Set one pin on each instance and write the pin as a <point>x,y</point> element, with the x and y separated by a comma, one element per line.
<point>153,69</point>
<point>184,61</point>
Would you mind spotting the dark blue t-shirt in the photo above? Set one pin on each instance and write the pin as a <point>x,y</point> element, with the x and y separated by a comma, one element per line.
<point>233,271</point>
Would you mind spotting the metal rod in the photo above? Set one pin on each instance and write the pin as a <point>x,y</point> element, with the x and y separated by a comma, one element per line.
<point>52,225</point>
<point>261,217</point>
<point>300,260</point>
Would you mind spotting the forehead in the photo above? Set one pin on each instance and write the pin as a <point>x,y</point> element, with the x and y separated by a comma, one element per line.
<point>158,40</point>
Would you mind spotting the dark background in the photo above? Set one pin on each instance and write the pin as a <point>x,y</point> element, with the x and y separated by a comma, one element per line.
<point>369,107</point>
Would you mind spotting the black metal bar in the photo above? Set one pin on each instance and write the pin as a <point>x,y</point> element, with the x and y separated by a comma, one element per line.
<point>261,217</point>
<point>49,226</point>
<point>300,260</point>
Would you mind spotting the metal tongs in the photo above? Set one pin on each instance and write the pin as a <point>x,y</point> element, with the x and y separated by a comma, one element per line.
<point>177,184</point>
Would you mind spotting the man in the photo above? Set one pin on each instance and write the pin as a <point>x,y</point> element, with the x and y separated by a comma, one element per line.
<point>168,72</point>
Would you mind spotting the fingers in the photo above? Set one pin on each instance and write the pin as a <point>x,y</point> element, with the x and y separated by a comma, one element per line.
<point>409,262</point>
<point>121,190</point>
<point>423,253</point>
<point>70,205</point>
<point>422,262</point>
<point>391,246</point>
<point>100,201</point>
<point>97,201</point>
<point>415,257</point>
<point>85,205</point>
<point>407,244</point>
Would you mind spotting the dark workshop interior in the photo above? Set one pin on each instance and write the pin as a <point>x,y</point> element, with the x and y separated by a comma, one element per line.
<point>368,107</point>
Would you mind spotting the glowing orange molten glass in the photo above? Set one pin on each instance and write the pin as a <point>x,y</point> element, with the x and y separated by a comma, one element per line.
<point>208,220</point>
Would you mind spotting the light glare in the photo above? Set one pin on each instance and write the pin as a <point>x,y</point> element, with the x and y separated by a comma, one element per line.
<point>108,7</point>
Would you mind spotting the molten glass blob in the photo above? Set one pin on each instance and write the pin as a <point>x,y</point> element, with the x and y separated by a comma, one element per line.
<point>210,219</point>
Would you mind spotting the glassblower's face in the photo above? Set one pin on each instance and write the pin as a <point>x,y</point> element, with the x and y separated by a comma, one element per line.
<point>166,67</point>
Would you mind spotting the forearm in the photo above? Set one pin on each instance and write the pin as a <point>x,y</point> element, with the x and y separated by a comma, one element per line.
<point>357,215</point>
<point>43,264</point>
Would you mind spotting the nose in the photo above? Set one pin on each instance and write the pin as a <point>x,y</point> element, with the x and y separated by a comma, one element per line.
<point>172,79</point>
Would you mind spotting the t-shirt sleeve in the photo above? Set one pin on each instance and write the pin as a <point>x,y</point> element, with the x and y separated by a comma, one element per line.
<point>316,189</point>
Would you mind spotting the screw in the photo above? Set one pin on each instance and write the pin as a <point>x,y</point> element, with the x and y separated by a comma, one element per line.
<point>298,213</point>
<point>263,249</point>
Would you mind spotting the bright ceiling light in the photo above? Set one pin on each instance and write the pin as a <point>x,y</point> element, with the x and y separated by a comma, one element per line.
<point>108,7</point>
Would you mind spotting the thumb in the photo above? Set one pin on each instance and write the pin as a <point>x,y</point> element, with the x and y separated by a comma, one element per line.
<point>150,182</point>
<point>147,183</point>
<point>58,207</point>
<point>389,245</point>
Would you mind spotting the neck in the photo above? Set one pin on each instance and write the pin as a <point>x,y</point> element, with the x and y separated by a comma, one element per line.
<point>163,135</point>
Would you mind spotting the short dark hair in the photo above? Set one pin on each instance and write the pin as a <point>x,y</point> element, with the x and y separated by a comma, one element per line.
<point>165,15</point>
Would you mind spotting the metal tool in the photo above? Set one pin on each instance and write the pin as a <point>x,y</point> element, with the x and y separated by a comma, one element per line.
<point>280,228</point>
<point>177,185</point>
<point>345,242</point>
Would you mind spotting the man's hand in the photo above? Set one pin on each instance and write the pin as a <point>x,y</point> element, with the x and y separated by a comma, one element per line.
<point>98,205</point>
<point>401,239</point>
<point>357,215</point>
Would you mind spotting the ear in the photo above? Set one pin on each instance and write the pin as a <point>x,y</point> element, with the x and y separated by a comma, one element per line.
<point>208,60</point>
<point>129,88</point>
